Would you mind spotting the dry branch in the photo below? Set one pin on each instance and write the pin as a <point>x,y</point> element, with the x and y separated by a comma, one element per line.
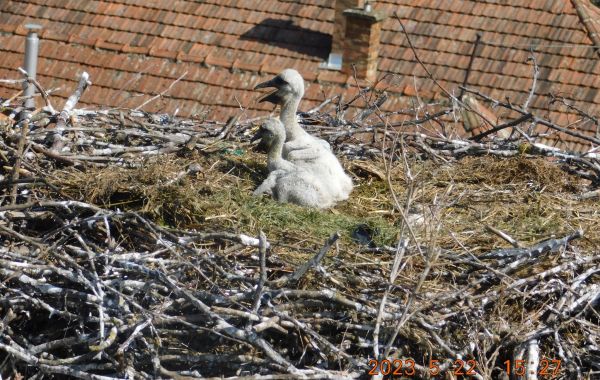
<point>56,138</point>
<point>98,290</point>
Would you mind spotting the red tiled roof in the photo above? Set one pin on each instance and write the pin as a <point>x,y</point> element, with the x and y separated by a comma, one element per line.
<point>134,49</point>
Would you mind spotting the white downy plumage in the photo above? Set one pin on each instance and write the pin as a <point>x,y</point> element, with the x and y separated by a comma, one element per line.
<point>287,182</point>
<point>301,148</point>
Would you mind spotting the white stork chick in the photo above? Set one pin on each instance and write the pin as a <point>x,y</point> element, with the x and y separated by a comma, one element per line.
<point>287,182</point>
<point>301,148</point>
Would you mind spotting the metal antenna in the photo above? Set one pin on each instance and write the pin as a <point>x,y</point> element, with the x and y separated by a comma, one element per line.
<point>31,56</point>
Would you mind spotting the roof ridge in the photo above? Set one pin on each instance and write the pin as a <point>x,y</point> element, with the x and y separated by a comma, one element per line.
<point>589,22</point>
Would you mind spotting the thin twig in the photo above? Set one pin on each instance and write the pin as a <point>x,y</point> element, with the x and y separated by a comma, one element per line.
<point>262,251</point>
<point>499,127</point>
<point>430,75</point>
<point>19,158</point>
<point>39,87</point>
<point>163,93</point>
<point>471,60</point>
<point>536,72</point>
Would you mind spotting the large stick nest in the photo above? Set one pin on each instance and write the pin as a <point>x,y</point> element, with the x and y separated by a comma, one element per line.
<point>134,251</point>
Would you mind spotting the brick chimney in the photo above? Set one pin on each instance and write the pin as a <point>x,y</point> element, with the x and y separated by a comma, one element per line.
<point>361,41</point>
<point>339,22</point>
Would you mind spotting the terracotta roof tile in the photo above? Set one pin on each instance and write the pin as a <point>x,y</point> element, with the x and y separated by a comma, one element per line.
<point>268,68</point>
<point>101,44</point>
<point>309,75</point>
<point>135,49</point>
<point>215,32</point>
<point>77,39</point>
<point>21,31</point>
<point>163,53</point>
<point>8,28</point>
<point>241,65</point>
<point>332,76</point>
<point>215,60</point>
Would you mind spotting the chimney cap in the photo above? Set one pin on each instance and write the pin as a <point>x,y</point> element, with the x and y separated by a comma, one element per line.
<point>33,27</point>
<point>373,15</point>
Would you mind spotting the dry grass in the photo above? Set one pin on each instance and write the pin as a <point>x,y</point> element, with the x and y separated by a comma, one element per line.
<point>528,198</point>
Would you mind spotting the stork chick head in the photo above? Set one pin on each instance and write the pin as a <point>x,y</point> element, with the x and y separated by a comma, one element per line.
<point>270,130</point>
<point>287,85</point>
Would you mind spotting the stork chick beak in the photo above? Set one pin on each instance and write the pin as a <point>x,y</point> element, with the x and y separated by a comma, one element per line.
<point>273,96</point>
<point>266,84</point>
<point>258,134</point>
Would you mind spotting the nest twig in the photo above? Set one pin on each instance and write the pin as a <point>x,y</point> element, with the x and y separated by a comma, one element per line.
<point>94,289</point>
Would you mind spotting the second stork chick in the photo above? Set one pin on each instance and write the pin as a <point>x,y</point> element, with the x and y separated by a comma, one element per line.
<point>287,182</point>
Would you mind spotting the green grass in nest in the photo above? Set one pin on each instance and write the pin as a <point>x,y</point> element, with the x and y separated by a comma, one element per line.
<point>220,198</point>
<point>271,216</point>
